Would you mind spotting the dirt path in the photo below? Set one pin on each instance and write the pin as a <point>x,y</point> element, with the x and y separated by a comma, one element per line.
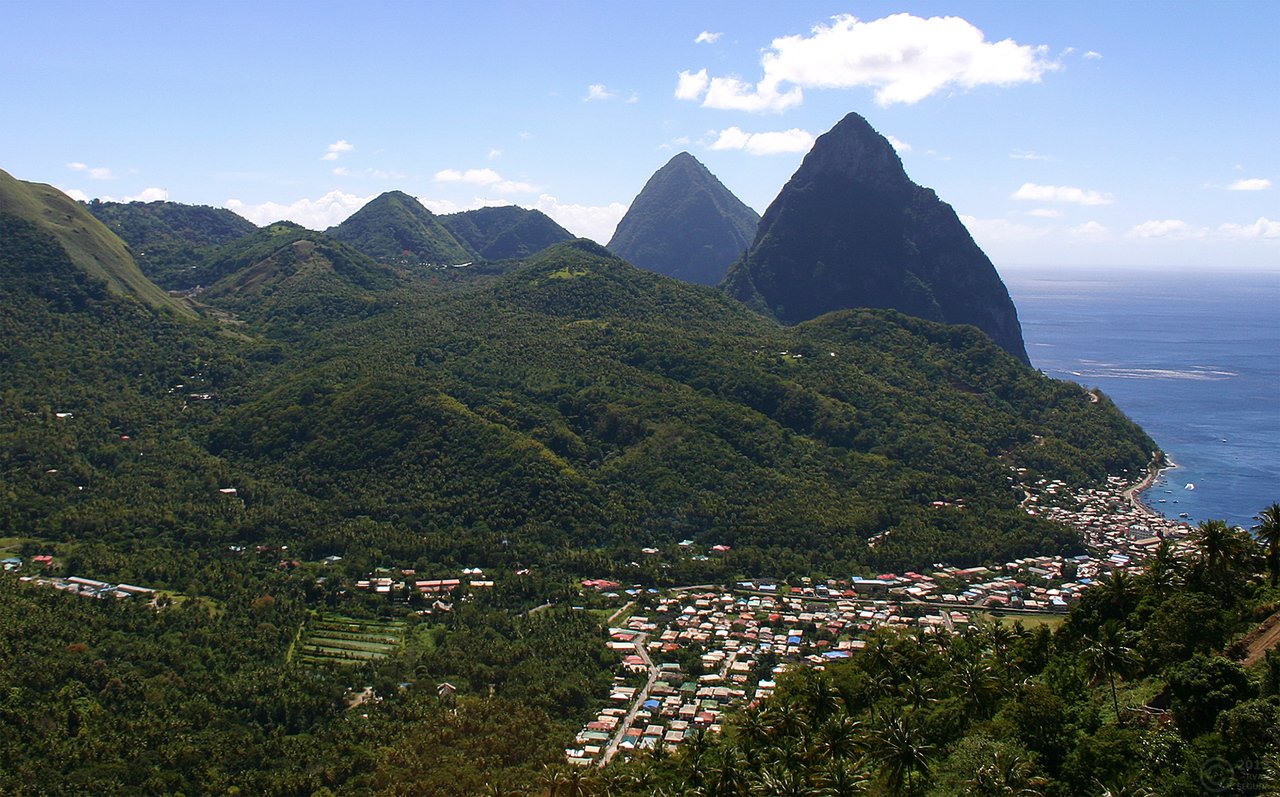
<point>1261,639</point>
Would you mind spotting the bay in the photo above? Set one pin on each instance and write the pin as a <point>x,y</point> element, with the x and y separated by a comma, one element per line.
<point>1193,357</point>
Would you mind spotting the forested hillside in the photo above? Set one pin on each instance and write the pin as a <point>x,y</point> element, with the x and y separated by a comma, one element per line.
<point>328,418</point>
<point>170,240</point>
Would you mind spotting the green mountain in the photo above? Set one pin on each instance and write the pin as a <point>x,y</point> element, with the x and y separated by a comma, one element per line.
<point>582,401</point>
<point>543,424</point>
<point>287,277</point>
<point>505,232</point>
<point>170,240</point>
<point>90,245</point>
<point>395,228</point>
<point>850,229</point>
<point>684,223</point>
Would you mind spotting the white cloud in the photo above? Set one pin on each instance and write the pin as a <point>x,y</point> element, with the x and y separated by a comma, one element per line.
<point>1090,231</point>
<point>1092,55</point>
<point>633,99</point>
<point>731,94</point>
<point>707,37</point>
<point>1061,193</point>
<point>1250,184</point>
<point>905,58</point>
<point>315,214</point>
<point>1168,228</point>
<point>494,154</point>
<point>597,91</point>
<point>902,147</point>
<point>691,85</point>
<point>1045,213</point>
<point>1262,228</point>
<point>145,195</point>
<point>94,172</point>
<point>596,222</point>
<point>793,140</point>
<point>485,177</point>
<point>1027,155</point>
<point>996,231</point>
<point>336,149</point>
<point>443,206</point>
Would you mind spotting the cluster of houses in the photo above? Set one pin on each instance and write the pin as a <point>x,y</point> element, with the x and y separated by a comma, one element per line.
<point>90,588</point>
<point>405,582</point>
<point>733,641</point>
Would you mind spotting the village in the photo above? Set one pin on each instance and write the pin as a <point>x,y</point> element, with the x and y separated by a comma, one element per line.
<point>691,655</point>
<point>699,653</point>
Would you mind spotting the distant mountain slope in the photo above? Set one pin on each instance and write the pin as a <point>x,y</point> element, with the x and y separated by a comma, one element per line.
<point>170,240</point>
<point>850,229</point>
<point>684,223</point>
<point>292,279</point>
<point>89,244</point>
<point>505,232</point>
<point>396,228</point>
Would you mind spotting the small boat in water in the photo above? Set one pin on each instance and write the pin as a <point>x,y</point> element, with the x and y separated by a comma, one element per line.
<point>1190,486</point>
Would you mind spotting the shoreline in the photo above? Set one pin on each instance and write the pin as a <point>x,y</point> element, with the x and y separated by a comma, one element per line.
<point>1154,472</point>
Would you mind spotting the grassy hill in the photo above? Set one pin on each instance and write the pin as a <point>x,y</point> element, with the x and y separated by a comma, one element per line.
<point>90,245</point>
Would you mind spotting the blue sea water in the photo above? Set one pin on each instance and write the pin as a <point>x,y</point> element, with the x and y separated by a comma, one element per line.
<point>1194,358</point>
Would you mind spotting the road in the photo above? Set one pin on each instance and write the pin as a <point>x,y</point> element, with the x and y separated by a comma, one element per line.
<point>621,732</point>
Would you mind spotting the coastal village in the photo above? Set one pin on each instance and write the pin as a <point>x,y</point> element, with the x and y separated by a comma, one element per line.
<point>701,652</point>
<point>690,655</point>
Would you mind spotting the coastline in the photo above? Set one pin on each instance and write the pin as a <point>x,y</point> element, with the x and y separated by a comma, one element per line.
<point>1154,471</point>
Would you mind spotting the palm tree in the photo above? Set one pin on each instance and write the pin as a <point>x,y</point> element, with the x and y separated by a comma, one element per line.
<point>1109,654</point>
<point>841,780</point>
<point>1006,776</point>
<point>1220,550</point>
<point>783,782</point>
<point>1164,570</point>
<point>840,738</point>
<point>898,747</point>
<point>1268,531</point>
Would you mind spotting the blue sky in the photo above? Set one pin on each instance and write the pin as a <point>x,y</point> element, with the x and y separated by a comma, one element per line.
<point>1082,133</point>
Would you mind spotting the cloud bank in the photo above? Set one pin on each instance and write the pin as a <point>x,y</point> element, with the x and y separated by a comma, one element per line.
<point>1061,193</point>
<point>905,58</point>
<point>793,140</point>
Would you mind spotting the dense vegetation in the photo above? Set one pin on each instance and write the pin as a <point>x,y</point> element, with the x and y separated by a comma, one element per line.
<point>93,248</point>
<point>685,224</point>
<point>543,419</point>
<point>169,240</point>
<point>1137,693</point>
<point>396,228</point>
<point>503,233</point>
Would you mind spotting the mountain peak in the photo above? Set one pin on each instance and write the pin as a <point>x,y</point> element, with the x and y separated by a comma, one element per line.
<point>850,229</point>
<point>854,149</point>
<point>684,223</point>
<point>395,227</point>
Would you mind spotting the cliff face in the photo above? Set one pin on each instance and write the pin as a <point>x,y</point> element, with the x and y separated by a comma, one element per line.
<point>850,229</point>
<point>684,223</point>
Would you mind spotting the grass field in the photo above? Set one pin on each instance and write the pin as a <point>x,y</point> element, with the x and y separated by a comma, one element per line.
<point>334,639</point>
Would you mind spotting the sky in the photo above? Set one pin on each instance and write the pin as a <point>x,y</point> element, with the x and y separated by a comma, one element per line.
<point>1064,134</point>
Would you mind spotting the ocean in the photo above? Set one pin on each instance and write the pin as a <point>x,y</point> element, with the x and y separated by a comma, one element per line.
<point>1193,357</point>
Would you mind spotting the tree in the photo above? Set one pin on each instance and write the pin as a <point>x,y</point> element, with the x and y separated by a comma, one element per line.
<point>1221,552</point>
<point>898,747</point>
<point>1108,654</point>
<point>1268,531</point>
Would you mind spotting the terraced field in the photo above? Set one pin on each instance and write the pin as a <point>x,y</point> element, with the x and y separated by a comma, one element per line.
<point>334,639</point>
